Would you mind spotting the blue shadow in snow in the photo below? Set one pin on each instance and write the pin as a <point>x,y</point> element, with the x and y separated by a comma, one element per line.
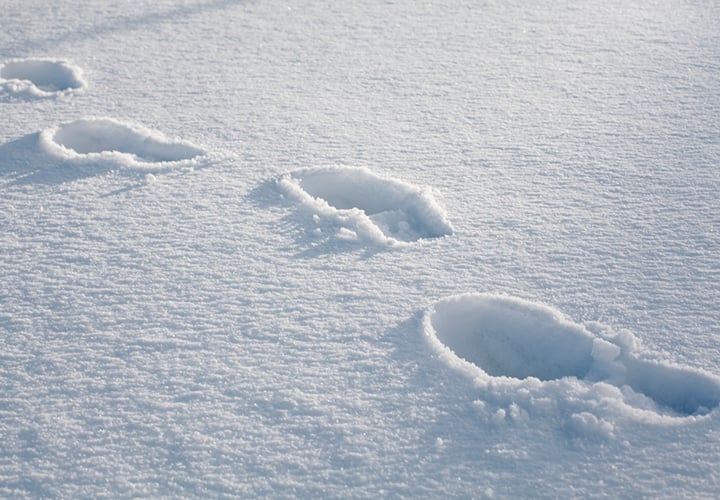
<point>118,24</point>
<point>24,162</point>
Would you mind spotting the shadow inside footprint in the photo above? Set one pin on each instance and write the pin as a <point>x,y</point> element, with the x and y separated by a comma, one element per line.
<point>686,391</point>
<point>509,337</point>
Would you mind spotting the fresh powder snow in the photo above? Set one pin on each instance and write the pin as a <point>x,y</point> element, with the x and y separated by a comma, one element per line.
<point>359,249</point>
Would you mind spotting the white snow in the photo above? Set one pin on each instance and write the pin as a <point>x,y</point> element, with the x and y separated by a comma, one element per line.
<point>438,249</point>
<point>40,77</point>
<point>587,424</point>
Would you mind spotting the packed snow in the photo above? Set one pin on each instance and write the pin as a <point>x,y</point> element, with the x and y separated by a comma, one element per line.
<point>337,250</point>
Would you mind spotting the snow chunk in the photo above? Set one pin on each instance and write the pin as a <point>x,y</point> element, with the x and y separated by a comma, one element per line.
<point>41,77</point>
<point>512,338</point>
<point>588,425</point>
<point>105,138</point>
<point>381,209</point>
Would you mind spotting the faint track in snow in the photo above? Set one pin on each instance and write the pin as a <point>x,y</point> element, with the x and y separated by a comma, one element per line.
<point>117,24</point>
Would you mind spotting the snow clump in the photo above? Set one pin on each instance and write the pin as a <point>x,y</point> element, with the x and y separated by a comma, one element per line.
<point>380,209</point>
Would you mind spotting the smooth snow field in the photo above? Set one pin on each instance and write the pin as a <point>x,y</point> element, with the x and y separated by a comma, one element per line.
<point>367,249</point>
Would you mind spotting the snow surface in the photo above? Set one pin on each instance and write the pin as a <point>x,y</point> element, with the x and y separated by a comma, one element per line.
<point>505,286</point>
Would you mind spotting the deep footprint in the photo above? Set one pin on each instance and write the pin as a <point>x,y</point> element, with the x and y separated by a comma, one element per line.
<point>381,208</point>
<point>510,337</point>
<point>41,77</point>
<point>108,138</point>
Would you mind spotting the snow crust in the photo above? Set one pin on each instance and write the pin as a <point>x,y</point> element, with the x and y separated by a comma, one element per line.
<point>108,139</point>
<point>372,207</point>
<point>500,337</point>
<point>37,77</point>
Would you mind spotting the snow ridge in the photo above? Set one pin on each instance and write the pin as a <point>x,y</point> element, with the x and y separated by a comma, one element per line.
<point>40,77</point>
<point>495,338</point>
<point>379,209</point>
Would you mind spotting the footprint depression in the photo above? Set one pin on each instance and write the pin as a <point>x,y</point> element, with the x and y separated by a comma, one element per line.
<point>106,138</point>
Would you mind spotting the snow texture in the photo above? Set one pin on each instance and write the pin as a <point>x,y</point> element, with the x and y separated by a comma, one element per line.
<point>491,336</point>
<point>376,208</point>
<point>108,139</point>
<point>194,304</point>
<point>40,78</point>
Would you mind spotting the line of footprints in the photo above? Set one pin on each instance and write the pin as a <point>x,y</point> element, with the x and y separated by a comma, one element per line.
<point>500,342</point>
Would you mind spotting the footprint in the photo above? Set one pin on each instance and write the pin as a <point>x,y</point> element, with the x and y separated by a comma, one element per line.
<point>382,209</point>
<point>684,390</point>
<point>512,338</point>
<point>491,336</point>
<point>105,138</point>
<point>40,77</point>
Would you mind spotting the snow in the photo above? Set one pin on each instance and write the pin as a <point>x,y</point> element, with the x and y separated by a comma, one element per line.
<point>384,249</point>
<point>511,338</point>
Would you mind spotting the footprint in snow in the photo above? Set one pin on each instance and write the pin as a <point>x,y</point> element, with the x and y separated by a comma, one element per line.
<point>491,336</point>
<point>40,78</point>
<point>100,139</point>
<point>381,209</point>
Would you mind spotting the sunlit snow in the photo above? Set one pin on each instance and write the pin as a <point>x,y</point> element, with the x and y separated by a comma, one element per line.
<point>368,249</point>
